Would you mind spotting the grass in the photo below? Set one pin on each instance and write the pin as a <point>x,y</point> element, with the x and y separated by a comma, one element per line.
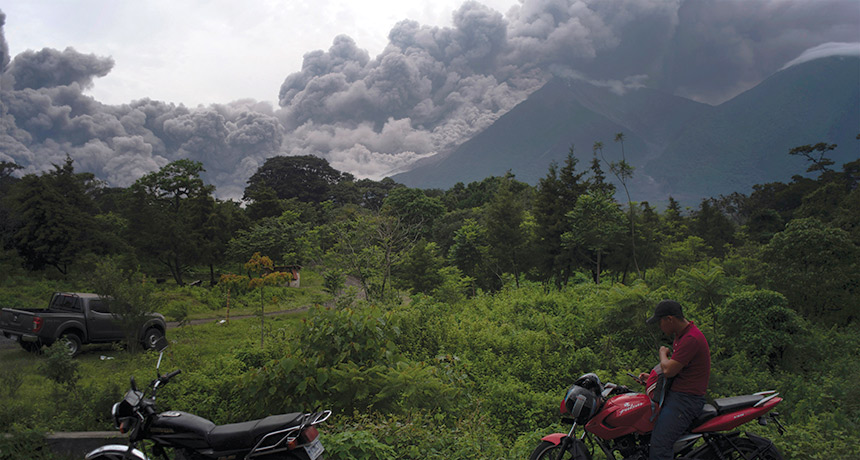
<point>31,401</point>
<point>104,372</point>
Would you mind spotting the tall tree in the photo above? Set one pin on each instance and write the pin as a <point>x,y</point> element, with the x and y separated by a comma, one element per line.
<point>556,195</point>
<point>53,216</point>
<point>623,171</point>
<point>595,225</point>
<point>165,210</point>
<point>308,178</point>
<point>508,234</point>
<point>714,227</point>
<point>470,253</point>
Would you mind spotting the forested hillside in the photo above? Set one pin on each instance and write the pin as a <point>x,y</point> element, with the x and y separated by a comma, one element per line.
<point>476,306</point>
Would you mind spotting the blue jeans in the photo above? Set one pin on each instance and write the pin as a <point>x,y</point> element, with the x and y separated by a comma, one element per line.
<point>678,412</point>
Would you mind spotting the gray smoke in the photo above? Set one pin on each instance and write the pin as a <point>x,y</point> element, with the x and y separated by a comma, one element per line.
<point>428,91</point>
<point>49,68</point>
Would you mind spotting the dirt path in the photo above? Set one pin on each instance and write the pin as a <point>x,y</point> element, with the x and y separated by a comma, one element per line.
<point>192,322</point>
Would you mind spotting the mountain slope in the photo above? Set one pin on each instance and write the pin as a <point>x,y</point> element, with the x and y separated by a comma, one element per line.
<point>679,147</point>
<point>543,127</point>
<point>746,140</point>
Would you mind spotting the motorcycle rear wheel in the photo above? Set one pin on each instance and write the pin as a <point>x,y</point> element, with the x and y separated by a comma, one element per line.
<point>549,451</point>
<point>747,448</point>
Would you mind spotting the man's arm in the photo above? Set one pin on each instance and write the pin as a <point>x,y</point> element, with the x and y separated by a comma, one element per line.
<point>669,365</point>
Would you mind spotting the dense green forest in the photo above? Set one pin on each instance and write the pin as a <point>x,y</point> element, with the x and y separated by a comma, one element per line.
<point>450,321</point>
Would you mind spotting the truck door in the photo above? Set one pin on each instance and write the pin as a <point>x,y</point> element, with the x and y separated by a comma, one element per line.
<point>102,325</point>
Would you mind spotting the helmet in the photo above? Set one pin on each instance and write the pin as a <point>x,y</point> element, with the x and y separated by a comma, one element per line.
<point>583,399</point>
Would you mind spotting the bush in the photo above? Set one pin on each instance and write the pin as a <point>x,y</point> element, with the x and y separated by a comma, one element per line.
<point>760,324</point>
<point>59,366</point>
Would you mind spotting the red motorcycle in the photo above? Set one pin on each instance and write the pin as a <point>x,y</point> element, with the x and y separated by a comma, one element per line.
<point>619,421</point>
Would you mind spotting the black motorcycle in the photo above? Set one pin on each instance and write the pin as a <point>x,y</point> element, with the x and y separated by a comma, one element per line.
<point>189,437</point>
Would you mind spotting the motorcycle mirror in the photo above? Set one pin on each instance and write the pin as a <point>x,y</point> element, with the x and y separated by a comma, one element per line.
<point>160,345</point>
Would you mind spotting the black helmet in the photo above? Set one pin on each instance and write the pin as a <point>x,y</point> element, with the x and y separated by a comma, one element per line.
<point>591,382</point>
<point>583,399</point>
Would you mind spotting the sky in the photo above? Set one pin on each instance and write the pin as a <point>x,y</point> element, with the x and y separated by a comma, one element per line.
<point>203,51</point>
<point>124,87</point>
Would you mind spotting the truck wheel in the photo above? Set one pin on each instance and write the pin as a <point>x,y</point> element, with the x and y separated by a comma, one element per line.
<point>72,342</point>
<point>32,347</point>
<point>150,337</point>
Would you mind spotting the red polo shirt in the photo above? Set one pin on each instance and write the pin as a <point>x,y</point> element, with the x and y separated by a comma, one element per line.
<point>691,349</point>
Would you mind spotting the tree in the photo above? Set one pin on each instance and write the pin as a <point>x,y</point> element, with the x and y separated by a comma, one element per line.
<point>596,223</point>
<point>761,324</point>
<point>261,273</point>
<point>470,252</point>
<point>166,210</point>
<point>815,155</point>
<point>623,171</point>
<point>714,227</point>
<point>51,215</point>
<point>509,233</point>
<point>556,195</point>
<point>815,267</point>
<point>287,238</point>
<point>707,287</point>
<point>414,208</point>
<point>419,269</point>
<point>218,221</point>
<point>308,178</point>
<point>367,245</point>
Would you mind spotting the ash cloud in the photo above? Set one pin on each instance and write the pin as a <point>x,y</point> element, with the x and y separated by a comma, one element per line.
<point>50,68</point>
<point>428,91</point>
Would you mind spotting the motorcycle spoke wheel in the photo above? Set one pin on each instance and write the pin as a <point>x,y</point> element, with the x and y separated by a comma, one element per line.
<point>746,448</point>
<point>549,451</point>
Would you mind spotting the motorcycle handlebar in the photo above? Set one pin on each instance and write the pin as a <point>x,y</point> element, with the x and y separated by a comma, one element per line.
<point>166,378</point>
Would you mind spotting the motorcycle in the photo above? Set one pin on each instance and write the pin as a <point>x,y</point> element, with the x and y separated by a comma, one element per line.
<point>189,437</point>
<point>619,421</point>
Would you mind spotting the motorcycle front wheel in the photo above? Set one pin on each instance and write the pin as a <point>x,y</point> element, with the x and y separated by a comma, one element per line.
<point>549,451</point>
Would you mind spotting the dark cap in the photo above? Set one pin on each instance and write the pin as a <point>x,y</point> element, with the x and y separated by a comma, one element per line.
<point>666,308</point>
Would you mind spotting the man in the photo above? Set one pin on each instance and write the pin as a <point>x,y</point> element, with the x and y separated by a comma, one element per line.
<point>690,365</point>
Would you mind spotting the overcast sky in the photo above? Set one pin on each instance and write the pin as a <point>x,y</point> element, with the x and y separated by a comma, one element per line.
<point>209,51</point>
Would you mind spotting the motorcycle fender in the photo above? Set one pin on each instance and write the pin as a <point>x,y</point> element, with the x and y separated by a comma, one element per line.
<point>554,438</point>
<point>577,449</point>
<point>115,451</point>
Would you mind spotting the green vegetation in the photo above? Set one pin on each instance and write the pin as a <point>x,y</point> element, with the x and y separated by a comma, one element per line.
<point>447,324</point>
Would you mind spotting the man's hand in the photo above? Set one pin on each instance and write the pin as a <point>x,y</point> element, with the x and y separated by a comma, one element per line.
<point>643,376</point>
<point>669,365</point>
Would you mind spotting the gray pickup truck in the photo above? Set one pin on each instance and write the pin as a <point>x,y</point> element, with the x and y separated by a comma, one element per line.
<point>76,319</point>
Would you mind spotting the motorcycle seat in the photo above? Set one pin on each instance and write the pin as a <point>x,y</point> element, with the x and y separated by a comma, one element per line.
<point>734,403</point>
<point>708,412</point>
<point>246,434</point>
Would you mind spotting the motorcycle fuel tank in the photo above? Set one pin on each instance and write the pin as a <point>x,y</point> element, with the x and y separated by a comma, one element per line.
<point>621,415</point>
<point>181,429</point>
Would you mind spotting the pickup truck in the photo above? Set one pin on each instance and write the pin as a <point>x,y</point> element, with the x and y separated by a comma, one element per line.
<point>76,319</point>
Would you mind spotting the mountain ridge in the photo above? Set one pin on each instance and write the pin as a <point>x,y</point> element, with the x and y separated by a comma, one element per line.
<point>679,147</point>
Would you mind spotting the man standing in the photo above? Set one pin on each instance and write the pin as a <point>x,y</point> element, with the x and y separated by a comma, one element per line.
<point>690,364</point>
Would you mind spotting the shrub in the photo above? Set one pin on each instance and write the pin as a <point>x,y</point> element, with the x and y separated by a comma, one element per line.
<point>59,366</point>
